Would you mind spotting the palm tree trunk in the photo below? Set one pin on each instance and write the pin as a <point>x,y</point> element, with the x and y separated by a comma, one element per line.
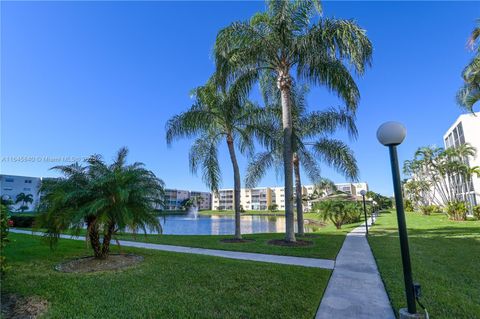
<point>106,241</point>
<point>298,194</point>
<point>94,236</point>
<point>236,186</point>
<point>284,83</point>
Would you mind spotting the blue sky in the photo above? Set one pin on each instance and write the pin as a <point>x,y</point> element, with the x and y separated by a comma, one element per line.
<point>79,78</point>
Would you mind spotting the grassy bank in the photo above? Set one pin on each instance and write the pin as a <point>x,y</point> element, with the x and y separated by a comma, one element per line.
<point>165,285</point>
<point>247,212</point>
<point>445,257</point>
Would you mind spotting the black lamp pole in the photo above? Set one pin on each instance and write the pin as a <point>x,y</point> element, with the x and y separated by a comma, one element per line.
<point>365,213</point>
<point>402,231</point>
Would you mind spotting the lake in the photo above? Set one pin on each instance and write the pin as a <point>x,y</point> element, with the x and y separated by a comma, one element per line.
<point>221,225</point>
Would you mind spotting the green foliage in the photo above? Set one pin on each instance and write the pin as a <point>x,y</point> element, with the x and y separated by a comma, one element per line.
<point>105,198</point>
<point>273,207</point>
<point>476,212</point>
<point>4,229</point>
<point>409,206</point>
<point>456,210</point>
<point>25,199</point>
<point>383,202</point>
<point>469,94</point>
<point>339,212</point>
<point>430,209</point>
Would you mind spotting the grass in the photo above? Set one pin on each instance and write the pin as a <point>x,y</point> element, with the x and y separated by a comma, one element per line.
<point>445,260</point>
<point>165,285</point>
<point>327,241</point>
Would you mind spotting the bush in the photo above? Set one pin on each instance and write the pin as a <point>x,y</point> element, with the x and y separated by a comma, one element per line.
<point>476,212</point>
<point>273,207</point>
<point>430,209</point>
<point>4,226</point>
<point>23,221</point>
<point>354,213</point>
<point>337,211</point>
<point>409,206</point>
<point>457,210</point>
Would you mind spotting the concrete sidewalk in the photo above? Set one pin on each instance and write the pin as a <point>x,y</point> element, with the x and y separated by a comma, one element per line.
<point>285,260</point>
<point>355,289</point>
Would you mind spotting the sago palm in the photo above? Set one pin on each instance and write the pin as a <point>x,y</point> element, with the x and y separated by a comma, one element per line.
<point>469,94</point>
<point>311,144</point>
<point>219,114</point>
<point>290,37</point>
<point>104,198</point>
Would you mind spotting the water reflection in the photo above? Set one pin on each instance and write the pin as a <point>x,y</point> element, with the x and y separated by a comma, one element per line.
<point>221,225</point>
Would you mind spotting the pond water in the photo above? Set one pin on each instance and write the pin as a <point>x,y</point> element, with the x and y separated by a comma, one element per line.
<point>221,225</point>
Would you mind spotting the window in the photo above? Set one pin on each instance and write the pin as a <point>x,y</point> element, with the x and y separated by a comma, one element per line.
<point>8,189</point>
<point>27,189</point>
<point>28,181</point>
<point>9,180</point>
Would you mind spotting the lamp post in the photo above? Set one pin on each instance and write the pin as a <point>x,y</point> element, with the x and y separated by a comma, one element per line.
<point>392,134</point>
<point>363,193</point>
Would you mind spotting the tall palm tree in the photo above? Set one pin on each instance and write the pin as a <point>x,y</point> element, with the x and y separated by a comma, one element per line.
<point>290,37</point>
<point>25,199</point>
<point>218,114</point>
<point>105,198</point>
<point>310,141</point>
<point>469,94</point>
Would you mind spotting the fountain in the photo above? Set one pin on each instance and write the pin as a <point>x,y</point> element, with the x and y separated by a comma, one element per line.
<point>193,212</point>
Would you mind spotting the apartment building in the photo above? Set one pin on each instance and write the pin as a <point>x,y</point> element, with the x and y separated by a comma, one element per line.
<point>466,129</point>
<point>174,198</point>
<point>261,198</point>
<point>12,185</point>
<point>203,199</point>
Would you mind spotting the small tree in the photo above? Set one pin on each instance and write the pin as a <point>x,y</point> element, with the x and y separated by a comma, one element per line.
<point>105,198</point>
<point>476,212</point>
<point>333,210</point>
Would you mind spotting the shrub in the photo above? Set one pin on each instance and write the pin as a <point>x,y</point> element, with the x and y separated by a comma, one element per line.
<point>409,206</point>
<point>430,209</point>
<point>354,213</point>
<point>4,226</point>
<point>23,221</point>
<point>333,210</point>
<point>273,207</point>
<point>476,212</point>
<point>457,210</point>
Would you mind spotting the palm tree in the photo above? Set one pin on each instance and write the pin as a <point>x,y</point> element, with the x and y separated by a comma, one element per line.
<point>105,198</point>
<point>311,143</point>
<point>469,94</point>
<point>288,37</point>
<point>25,199</point>
<point>219,113</point>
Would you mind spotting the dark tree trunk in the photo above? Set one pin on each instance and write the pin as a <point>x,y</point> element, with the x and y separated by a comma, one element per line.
<point>284,83</point>
<point>236,186</point>
<point>298,194</point>
<point>107,237</point>
<point>94,236</point>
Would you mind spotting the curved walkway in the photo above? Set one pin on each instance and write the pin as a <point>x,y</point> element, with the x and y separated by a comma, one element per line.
<point>277,259</point>
<point>355,289</point>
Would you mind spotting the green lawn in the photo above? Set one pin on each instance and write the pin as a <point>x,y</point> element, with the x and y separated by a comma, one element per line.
<point>165,285</point>
<point>445,259</point>
<point>327,241</point>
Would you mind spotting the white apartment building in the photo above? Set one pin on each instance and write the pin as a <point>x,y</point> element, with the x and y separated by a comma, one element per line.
<point>261,198</point>
<point>174,198</point>
<point>204,199</point>
<point>12,185</point>
<point>466,129</point>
